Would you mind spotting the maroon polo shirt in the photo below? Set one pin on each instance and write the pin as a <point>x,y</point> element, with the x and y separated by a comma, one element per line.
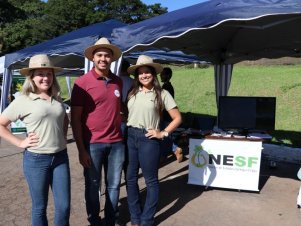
<point>100,99</point>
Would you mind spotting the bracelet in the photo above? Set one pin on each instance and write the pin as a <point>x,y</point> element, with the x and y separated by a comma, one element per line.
<point>165,133</point>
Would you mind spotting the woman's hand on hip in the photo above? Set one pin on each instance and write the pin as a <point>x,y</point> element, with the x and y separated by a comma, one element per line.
<point>30,141</point>
<point>154,133</point>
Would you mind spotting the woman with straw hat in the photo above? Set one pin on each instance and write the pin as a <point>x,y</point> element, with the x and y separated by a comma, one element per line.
<point>45,158</point>
<point>146,102</point>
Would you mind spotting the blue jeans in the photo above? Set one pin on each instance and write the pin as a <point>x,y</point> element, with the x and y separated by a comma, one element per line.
<point>124,131</point>
<point>42,171</point>
<point>143,152</point>
<point>111,156</point>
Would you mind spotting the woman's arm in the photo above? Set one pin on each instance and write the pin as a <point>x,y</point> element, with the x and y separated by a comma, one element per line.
<point>66,124</point>
<point>76,124</point>
<point>30,141</point>
<point>176,121</point>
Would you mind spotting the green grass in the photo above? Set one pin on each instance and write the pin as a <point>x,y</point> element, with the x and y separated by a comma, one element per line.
<point>64,89</point>
<point>195,93</point>
<point>194,90</point>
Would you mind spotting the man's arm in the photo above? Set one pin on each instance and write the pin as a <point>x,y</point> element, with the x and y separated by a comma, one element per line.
<point>76,123</point>
<point>66,124</point>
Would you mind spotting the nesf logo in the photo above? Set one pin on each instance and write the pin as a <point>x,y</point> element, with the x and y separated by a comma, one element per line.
<point>199,157</point>
<point>230,160</point>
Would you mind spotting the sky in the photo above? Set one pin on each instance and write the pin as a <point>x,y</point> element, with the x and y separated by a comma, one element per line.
<point>173,4</point>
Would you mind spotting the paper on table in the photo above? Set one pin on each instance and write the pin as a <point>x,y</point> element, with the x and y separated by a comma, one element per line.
<point>260,135</point>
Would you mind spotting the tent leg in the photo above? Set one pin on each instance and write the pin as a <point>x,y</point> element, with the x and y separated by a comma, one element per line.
<point>6,83</point>
<point>222,76</point>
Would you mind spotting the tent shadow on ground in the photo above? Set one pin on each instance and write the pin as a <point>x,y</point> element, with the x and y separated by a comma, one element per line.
<point>281,169</point>
<point>181,194</point>
<point>175,190</point>
<point>176,193</point>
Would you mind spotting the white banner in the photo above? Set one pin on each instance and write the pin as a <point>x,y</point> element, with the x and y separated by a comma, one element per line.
<point>225,163</point>
<point>18,127</point>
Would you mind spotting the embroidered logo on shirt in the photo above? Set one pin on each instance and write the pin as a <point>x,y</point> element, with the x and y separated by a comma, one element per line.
<point>117,93</point>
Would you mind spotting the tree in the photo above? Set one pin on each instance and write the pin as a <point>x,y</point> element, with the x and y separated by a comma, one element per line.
<point>128,11</point>
<point>8,12</point>
<point>67,15</point>
<point>156,10</point>
<point>16,32</point>
<point>28,22</point>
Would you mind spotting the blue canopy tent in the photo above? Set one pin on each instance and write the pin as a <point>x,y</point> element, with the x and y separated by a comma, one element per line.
<point>69,47</point>
<point>161,56</point>
<point>222,32</point>
<point>67,51</point>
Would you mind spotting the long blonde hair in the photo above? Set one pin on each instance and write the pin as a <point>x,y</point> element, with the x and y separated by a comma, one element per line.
<point>29,86</point>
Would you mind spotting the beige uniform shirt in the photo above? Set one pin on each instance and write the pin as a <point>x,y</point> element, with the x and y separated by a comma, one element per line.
<point>45,118</point>
<point>142,109</point>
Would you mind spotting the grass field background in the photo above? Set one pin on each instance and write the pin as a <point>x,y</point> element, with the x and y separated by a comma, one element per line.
<point>195,93</point>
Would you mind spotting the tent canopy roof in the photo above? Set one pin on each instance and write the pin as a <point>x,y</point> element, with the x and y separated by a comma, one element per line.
<point>69,46</point>
<point>225,31</point>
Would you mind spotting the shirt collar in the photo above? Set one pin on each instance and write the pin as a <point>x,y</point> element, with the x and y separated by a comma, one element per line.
<point>141,89</point>
<point>98,77</point>
<point>35,96</point>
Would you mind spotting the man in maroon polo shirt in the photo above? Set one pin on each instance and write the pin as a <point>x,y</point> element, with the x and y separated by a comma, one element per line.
<point>96,123</point>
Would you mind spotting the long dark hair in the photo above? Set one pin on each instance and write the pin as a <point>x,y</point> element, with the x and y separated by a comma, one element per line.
<point>157,87</point>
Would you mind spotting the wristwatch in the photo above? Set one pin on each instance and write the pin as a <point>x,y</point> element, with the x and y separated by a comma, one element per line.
<point>165,133</point>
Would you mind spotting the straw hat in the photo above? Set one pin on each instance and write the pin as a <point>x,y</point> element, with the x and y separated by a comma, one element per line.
<point>37,62</point>
<point>145,61</point>
<point>103,43</point>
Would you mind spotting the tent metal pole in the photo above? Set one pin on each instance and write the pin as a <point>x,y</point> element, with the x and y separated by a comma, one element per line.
<point>222,76</point>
